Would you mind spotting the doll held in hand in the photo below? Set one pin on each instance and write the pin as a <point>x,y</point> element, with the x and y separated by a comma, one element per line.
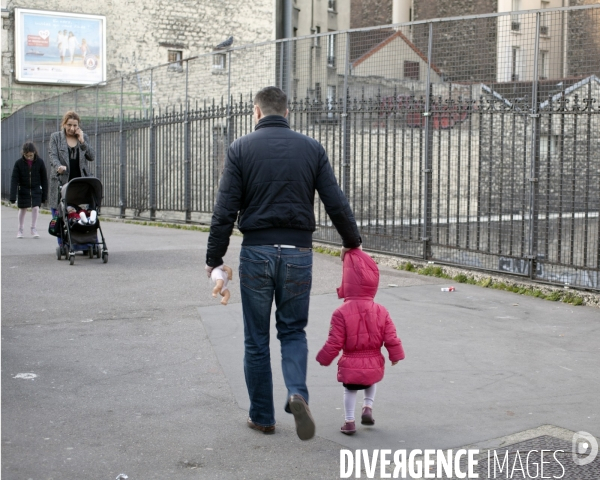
<point>221,276</point>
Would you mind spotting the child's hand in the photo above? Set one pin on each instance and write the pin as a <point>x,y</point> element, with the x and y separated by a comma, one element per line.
<point>394,363</point>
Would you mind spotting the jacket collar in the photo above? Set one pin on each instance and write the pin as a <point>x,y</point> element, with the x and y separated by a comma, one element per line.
<point>272,121</point>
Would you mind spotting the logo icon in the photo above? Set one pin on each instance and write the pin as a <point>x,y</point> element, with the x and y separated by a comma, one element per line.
<point>91,62</point>
<point>585,448</point>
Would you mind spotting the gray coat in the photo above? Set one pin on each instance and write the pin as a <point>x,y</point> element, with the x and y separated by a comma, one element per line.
<point>58,153</point>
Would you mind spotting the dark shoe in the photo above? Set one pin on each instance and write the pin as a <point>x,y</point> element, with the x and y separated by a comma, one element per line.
<point>260,428</point>
<point>348,428</point>
<point>305,425</point>
<point>367,416</point>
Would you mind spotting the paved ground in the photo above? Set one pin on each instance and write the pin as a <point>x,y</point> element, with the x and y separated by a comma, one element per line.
<point>138,370</point>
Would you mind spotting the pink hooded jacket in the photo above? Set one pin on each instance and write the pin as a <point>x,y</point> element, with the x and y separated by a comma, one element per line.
<point>360,326</point>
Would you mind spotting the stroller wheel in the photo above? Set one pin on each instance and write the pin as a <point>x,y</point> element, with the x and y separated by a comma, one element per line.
<point>72,258</point>
<point>58,253</point>
<point>90,252</point>
<point>105,257</point>
<point>97,251</point>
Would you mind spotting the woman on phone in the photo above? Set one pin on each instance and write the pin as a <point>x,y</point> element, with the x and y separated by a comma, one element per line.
<point>69,152</point>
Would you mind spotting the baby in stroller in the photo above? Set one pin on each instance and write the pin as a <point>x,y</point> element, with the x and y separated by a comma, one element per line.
<point>76,214</point>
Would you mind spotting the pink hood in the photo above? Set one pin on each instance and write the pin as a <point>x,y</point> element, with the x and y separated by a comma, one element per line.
<point>360,276</point>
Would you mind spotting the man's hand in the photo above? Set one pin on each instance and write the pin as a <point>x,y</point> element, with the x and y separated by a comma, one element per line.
<point>208,270</point>
<point>394,363</point>
<point>345,249</point>
<point>61,169</point>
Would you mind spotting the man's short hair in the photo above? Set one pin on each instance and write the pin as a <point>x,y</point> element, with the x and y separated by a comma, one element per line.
<point>272,101</point>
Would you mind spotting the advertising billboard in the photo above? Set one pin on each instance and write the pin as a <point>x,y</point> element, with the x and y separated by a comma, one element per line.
<point>59,48</point>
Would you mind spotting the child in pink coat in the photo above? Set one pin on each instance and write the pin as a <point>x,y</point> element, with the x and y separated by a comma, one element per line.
<point>360,327</point>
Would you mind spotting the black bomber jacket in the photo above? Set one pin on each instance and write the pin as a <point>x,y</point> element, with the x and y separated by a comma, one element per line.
<point>268,185</point>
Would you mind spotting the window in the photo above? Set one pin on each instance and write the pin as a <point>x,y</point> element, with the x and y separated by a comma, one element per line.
<point>515,68</point>
<point>293,52</point>
<point>411,70</point>
<point>331,50</point>
<point>331,5</point>
<point>318,92</point>
<point>515,23</point>
<point>330,100</point>
<point>316,31</point>
<point>219,61</point>
<point>544,17</point>
<point>174,59</point>
<point>543,65</point>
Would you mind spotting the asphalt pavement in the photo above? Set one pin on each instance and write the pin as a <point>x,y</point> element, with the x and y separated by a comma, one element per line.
<point>132,367</point>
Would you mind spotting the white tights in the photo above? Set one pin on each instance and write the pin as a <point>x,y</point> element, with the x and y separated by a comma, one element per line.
<point>350,400</point>
<point>34,215</point>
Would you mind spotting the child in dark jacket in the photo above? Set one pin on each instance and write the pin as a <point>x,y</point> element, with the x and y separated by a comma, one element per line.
<point>29,186</point>
<point>360,327</point>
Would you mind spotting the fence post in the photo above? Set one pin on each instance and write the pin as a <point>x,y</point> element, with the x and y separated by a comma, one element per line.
<point>152,173</point>
<point>44,129</point>
<point>32,122</point>
<point>58,115</point>
<point>535,156</point>
<point>228,138</point>
<point>98,161</point>
<point>346,125</point>
<point>427,154</point>
<point>122,165</point>
<point>187,162</point>
<point>281,65</point>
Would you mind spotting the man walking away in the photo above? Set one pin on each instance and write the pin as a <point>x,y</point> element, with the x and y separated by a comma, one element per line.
<point>268,184</point>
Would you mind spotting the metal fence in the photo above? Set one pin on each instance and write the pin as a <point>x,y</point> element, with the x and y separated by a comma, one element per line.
<point>471,141</point>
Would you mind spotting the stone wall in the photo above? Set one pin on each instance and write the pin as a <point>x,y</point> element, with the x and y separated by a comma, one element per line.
<point>583,52</point>
<point>368,13</point>
<point>462,50</point>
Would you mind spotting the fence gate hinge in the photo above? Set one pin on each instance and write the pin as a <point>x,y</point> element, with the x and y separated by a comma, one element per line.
<point>534,179</point>
<point>426,114</point>
<point>425,239</point>
<point>428,170</point>
<point>535,115</point>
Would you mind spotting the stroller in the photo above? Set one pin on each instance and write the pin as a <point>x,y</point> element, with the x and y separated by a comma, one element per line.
<point>75,236</point>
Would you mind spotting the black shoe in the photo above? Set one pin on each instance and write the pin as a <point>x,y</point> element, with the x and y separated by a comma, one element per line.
<point>305,425</point>
<point>260,428</point>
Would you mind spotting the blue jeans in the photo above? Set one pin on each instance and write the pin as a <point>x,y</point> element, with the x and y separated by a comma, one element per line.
<point>268,272</point>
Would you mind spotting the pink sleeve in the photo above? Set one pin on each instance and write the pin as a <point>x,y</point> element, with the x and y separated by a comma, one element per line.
<point>391,341</point>
<point>335,340</point>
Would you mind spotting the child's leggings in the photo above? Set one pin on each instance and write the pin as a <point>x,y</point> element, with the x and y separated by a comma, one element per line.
<point>34,215</point>
<point>350,400</point>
